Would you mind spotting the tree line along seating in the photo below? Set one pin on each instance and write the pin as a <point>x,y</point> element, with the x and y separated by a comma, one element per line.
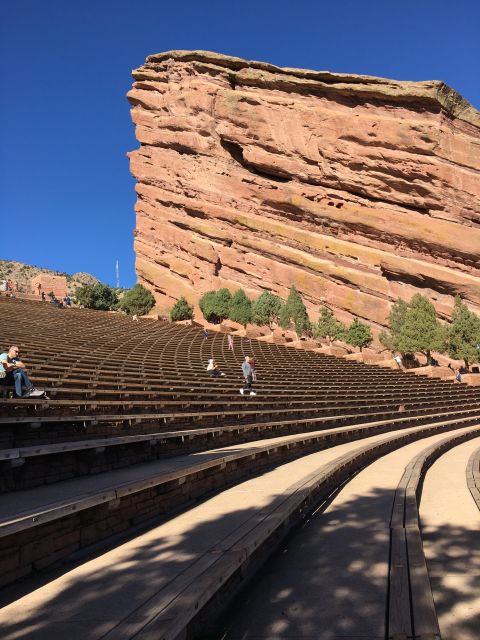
<point>134,431</point>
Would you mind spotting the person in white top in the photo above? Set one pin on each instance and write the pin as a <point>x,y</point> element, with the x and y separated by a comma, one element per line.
<point>213,369</point>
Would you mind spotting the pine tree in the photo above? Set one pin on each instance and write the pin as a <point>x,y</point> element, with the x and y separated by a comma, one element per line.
<point>284,317</point>
<point>386,339</point>
<point>240,309</point>
<point>396,320</point>
<point>223,299</point>
<point>181,310</point>
<point>294,311</point>
<point>328,326</point>
<point>359,334</point>
<point>463,335</point>
<point>266,309</point>
<point>420,330</point>
<point>207,306</point>
<point>215,305</point>
<point>137,301</point>
<point>397,317</point>
<point>97,296</point>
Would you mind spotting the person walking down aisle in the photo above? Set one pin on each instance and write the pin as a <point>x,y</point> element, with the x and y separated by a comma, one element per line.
<point>247,374</point>
<point>230,342</point>
<point>12,364</point>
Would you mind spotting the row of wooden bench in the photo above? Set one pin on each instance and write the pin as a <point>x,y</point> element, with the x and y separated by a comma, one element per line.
<point>133,427</point>
<point>184,605</point>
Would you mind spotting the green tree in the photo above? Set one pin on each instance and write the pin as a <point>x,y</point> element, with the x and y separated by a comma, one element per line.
<point>181,310</point>
<point>215,305</point>
<point>359,334</point>
<point>223,299</point>
<point>463,334</point>
<point>97,296</point>
<point>240,309</point>
<point>397,317</point>
<point>294,311</point>
<point>266,308</point>
<point>137,301</point>
<point>328,326</point>
<point>386,339</point>
<point>207,306</point>
<point>420,331</point>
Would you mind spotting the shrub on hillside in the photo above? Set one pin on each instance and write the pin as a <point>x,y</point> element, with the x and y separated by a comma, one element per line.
<point>240,309</point>
<point>266,309</point>
<point>96,296</point>
<point>137,301</point>
<point>181,310</point>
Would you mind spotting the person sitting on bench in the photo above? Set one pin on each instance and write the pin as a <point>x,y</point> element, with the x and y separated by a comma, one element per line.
<point>15,369</point>
<point>213,370</point>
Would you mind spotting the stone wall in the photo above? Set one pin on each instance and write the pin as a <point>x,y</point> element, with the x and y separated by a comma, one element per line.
<point>49,284</point>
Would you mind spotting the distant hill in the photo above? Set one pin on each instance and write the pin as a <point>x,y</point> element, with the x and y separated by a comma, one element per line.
<point>21,274</point>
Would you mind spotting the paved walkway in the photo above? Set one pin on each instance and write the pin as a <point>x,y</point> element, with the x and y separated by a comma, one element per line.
<point>451,535</point>
<point>330,581</point>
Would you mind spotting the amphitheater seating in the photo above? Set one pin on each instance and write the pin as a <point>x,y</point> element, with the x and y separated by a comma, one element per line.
<point>133,430</point>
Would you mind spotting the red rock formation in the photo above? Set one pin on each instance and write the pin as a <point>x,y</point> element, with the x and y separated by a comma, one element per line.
<point>357,189</point>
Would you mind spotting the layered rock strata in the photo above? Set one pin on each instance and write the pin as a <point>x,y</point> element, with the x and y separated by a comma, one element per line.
<point>357,189</point>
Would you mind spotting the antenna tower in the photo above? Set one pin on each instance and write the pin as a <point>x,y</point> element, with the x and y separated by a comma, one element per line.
<point>117,270</point>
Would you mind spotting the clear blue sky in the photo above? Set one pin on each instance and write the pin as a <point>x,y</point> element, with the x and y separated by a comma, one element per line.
<point>66,194</point>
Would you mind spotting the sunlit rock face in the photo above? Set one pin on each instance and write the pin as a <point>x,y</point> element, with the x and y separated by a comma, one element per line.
<point>358,190</point>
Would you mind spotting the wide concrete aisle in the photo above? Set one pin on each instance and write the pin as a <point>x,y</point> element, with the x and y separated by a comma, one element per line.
<point>88,601</point>
<point>330,580</point>
<point>451,538</point>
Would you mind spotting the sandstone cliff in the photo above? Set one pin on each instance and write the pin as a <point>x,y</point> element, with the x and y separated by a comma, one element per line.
<point>357,189</point>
